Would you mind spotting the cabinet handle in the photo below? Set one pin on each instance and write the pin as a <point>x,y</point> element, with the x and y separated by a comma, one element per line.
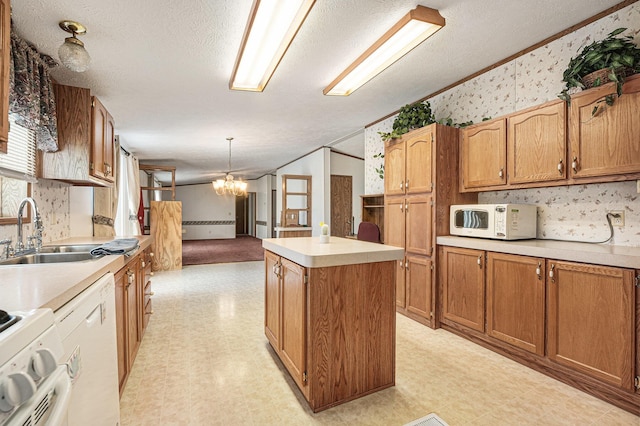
<point>406,207</point>
<point>151,273</point>
<point>143,264</point>
<point>151,254</point>
<point>501,172</point>
<point>401,185</point>
<point>574,164</point>
<point>150,294</point>
<point>401,207</point>
<point>401,264</point>
<point>406,265</point>
<point>480,261</point>
<point>130,278</point>
<point>560,167</point>
<point>539,270</point>
<point>551,274</point>
<point>406,185</point>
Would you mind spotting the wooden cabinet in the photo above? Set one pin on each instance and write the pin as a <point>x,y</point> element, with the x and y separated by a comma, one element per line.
<point>373,211</point>
<point>133,307</point>
<point>5,59</point>
<point>591,322</point>
<point>609,142</point>
<point>483,155</point>
<point>333,328</point>
<point>524,149</point>
<point>166,228</point>
<point>103,140</point>
<point>421,182</point>
<point>516,300</point>
<point>85,137</point>
<point>537,144</point>
<point>285,314</point>
<point>463,287</point>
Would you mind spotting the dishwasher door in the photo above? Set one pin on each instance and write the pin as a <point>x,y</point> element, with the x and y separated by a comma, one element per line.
<point>87,325</point>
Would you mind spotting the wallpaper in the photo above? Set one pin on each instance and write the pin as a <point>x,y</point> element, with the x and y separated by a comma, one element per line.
<point>572,213</point>
<point>52,198</point>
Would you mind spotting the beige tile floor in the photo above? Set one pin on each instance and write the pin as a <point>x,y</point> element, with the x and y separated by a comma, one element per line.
<point>205,360</point>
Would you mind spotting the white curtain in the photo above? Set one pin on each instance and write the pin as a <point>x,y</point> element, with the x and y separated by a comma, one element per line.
<point>126,222</point>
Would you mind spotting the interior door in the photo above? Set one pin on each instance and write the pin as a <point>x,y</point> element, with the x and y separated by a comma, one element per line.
<point>241,215</point>
<point>341,205</point>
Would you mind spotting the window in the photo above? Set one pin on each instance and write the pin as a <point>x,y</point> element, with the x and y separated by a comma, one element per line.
<point>20,160</point>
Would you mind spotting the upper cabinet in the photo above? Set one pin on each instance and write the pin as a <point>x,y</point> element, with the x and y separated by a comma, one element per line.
<point>536,147</point>
<point>607,143</point>
<point>5,27</point>
<point>537,144</point>
<point>483,155</point>
<point>408,164</point>
<point>85,137</point>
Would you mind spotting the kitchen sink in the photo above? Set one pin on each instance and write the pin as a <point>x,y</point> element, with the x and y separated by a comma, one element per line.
<point>72,248</point>
<point>35,258</point>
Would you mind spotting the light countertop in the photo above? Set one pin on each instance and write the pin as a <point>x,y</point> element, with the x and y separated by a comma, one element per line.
<point>598,254</point>
<point>51,285</point>
<point>309,252</point>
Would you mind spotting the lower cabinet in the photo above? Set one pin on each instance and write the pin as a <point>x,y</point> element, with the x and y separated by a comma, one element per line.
<point>515,300</point>
<point>333,328</point>
<point>418,285</point>
<point>463,287</point>
<point>587,313</point>
<point>591,325</point>
<point>133,305</point>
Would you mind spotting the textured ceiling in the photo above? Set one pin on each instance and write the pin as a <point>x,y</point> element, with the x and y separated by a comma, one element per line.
<point>162,69</point>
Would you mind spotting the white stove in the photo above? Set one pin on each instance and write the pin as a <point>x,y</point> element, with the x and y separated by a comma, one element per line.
<point>34,389</point>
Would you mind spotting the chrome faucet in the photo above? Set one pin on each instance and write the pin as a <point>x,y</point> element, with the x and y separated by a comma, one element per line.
<point>37,232</point>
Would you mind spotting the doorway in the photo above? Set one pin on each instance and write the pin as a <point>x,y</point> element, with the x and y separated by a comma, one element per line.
<point>341,206</point>
<point>246,214</point>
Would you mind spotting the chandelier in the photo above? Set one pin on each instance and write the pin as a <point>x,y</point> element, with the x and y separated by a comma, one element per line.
<point>228,185</point>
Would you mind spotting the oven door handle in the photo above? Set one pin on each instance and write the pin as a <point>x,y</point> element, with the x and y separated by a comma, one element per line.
<point>61,383</point>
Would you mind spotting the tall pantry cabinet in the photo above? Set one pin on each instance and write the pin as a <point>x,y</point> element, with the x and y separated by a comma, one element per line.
<point>421,183</point>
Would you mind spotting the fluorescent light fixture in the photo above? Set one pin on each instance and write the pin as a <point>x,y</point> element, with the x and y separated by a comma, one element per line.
<point>272,26</point>
<point>414,28</point>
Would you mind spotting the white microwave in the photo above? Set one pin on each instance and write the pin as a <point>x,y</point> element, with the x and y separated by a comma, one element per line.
<point>499,221</point>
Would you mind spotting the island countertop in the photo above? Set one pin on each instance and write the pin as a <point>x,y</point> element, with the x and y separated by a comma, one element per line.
<point>51,285</point>
<point>309,252</point>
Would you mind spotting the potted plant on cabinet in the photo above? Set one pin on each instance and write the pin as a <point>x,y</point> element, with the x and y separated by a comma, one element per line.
<point>609,60</point>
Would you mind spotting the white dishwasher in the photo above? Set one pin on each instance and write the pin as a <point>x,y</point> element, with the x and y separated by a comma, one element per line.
<point>87,325</point>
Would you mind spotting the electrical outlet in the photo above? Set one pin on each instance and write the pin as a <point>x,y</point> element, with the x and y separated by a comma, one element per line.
<point>617,217</point>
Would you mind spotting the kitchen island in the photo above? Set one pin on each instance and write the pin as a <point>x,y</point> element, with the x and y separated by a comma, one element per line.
<point>330,315</point>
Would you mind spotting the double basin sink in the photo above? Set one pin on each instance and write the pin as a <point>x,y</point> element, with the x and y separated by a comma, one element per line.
<point>54,254</point>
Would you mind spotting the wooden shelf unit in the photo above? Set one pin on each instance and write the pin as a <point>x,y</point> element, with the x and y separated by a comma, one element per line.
<point>151,170</point>
<point>373,211</point>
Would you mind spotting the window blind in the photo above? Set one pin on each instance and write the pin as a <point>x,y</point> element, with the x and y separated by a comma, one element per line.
<point>20,160</point>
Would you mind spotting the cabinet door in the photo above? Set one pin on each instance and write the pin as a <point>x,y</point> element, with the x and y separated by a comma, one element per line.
<point>483,155</point>
<point>401,295</point>
<point>121,330</point>
<point>272,298</point>
<point>132,317</point>
<point>98,130</point>
<point>394,167</point>
<point>418,225</point>
<point>109,142</point>
<point>293,340</point>
<point>5,25</point>
<point>419,280</point>
<point>419,149</point>
<point>591,320</point>
<point>394,222</point>
<point>537,144</point>
<point>515,300</point>
<point>463,287</point>
<point>609,142</point>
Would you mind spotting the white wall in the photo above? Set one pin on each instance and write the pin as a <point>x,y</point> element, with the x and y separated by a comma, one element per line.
<point>348,166</point>
<point>263,187</point>
<point>571,213</point>
<point>214,215</point>
<point>316,164</point>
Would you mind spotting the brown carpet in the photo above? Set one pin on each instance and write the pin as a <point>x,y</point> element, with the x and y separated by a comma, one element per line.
<point>240,249</point>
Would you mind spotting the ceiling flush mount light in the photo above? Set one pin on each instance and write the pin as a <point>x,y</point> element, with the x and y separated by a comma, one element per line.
<point>272,26</point>
<point>414,28</point>
<point>72,52</point>
<point>228,185</point>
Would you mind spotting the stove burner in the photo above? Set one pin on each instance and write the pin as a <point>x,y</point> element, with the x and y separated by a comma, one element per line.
<point>6,320</point>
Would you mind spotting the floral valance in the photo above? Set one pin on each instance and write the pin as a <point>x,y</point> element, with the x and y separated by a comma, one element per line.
<point>31,99</point>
